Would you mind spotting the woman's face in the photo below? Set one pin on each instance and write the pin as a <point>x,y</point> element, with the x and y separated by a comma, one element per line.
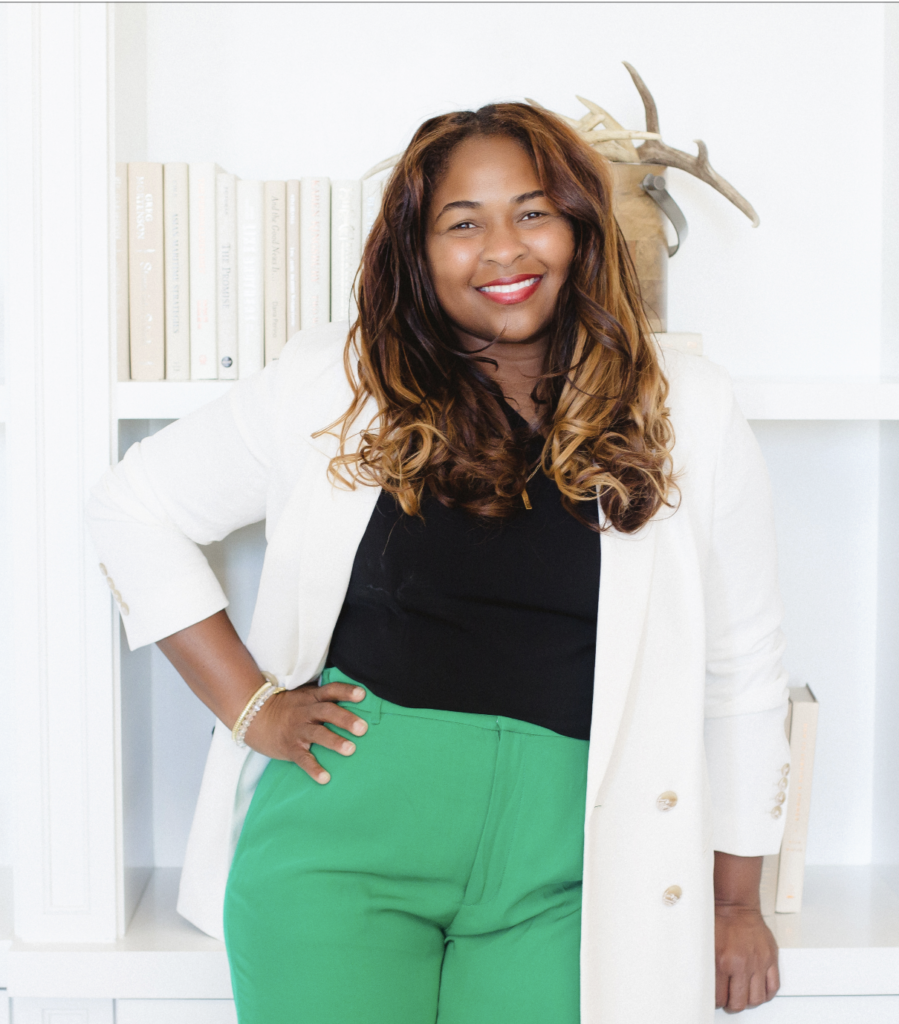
<point>497,248</point>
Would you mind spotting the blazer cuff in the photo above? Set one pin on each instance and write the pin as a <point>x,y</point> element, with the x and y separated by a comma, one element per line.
<point>747,756</point>
<point>155,615</point>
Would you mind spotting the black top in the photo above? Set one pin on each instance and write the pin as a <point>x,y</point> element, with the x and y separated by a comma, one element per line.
<point>495,619</point>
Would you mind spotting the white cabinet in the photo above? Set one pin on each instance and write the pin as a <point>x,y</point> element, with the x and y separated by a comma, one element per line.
<point>109,745</point>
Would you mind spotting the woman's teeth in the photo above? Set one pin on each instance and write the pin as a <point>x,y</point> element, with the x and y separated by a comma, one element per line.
<point>506,288</point>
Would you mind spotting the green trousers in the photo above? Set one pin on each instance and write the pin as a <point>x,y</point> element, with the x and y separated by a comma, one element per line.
<point>435,878</point>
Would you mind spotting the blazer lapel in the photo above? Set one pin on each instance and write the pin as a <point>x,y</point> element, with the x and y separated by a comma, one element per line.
<point>307,566</point>
<point>625,580</point>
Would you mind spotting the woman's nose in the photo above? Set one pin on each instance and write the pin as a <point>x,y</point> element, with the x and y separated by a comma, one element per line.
<point>503,245</point>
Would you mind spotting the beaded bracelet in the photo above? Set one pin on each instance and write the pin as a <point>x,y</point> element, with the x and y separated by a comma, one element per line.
<point>268,689</point>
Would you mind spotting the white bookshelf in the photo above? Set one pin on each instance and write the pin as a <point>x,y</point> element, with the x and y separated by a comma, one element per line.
<point>844,943</point>
<point>760,398</point>
<point>104,808</point>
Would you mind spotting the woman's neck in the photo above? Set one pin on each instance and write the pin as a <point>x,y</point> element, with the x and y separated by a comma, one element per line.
<point>518,366</point>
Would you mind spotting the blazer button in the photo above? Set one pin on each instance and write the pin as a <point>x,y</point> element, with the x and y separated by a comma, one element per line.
<point>667,801</point>
<point>672,894</point>
<point>110,582</point>
<point>117,596</point>
<point>103,568</point>
<point>776,811</point>
<point>124,608</point>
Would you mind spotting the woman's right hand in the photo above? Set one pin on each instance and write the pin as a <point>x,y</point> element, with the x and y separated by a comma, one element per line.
<point>289,723</point>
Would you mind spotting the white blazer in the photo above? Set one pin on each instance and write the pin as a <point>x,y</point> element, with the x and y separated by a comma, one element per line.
<point>689,694</point>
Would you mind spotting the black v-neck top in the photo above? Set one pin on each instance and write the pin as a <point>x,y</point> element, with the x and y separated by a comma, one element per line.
<point>497,619</point>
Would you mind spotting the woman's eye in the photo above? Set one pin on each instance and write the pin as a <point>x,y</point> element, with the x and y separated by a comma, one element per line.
<point>533,214</point>
<point>464,224</point>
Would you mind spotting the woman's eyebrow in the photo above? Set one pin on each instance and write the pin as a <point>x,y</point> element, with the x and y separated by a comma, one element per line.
<point>525,197</point>
<point>470,204</point>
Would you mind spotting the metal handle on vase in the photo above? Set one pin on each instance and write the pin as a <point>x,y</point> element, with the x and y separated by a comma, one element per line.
<point>654,186</point>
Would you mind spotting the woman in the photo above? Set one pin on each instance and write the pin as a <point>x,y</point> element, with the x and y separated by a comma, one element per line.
<point>430,835</point>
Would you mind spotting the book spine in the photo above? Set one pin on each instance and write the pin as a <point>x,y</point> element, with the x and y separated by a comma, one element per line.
<point>372,194</point>
<point>177,273</point>
<point>250,278</point>
<point>791,870</point>
<point>203,327</point>
<point>315,256</point>
<point>293,257</point>
<point>122,333</point>
<point>346,246</point>
<point>226,275</point>
<point>275,270</point>
<point>768,884</point>
<point>145,271</point>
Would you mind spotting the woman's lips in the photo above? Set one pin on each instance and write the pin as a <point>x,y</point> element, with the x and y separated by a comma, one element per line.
<point>509,290</point>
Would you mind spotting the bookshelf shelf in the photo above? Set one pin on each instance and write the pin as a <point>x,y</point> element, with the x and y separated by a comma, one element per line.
<point>761,398</point>
<point>844,943</point>
<point>165,400</point>
<point>810,398</point>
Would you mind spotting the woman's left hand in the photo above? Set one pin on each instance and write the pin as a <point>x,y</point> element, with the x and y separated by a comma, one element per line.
<point>746,971</point>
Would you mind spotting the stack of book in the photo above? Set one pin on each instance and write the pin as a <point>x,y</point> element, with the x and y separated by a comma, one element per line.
<point>214,274</point>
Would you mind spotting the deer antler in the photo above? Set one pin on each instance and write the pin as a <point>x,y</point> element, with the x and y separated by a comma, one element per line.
<point>614,141</point>
<point>654,151</point>
<point>391,161</point>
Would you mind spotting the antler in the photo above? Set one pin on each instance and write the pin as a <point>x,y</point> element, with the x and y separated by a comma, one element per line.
<point>391,161</point>
<point>614,141</point>
<point>654,151</point>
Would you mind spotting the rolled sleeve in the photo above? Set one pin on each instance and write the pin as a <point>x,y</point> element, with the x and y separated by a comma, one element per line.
<point>192,483</point>
<point>746,686</point>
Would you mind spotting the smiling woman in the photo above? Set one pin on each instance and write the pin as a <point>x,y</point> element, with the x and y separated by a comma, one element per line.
<point>482,788</point>
<point>500,224</point>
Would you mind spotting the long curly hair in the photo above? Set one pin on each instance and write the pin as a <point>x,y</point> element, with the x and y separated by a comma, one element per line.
<point>440,428</point>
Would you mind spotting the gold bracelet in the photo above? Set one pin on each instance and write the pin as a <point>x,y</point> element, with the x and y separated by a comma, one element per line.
<point>268,689</point>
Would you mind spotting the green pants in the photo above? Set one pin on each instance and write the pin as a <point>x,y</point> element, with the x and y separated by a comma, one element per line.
<point>436,877</point>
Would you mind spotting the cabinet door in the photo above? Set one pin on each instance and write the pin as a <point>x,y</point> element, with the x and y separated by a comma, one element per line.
<point>823,1010</point>
<point>62,1011</point>
<point>175,1011</point>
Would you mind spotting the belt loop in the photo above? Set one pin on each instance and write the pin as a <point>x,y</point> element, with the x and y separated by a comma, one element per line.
<point>375,707</point>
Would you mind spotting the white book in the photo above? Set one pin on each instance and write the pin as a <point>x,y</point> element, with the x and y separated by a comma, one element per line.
<point>226,273</point>
<point>203,299</point>
<point>122,333</point>
<point>177,272</point>
<point>275,270</point>
<point>250,278</point>
<point>346,246</point>
<point>146,281</point>
<point>315,255</point>
<point>293,257</point>
<point>802,727</point>
<point>372,194</point>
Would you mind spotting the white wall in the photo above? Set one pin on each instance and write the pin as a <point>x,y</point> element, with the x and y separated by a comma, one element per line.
<point>788,97</point>
<point>825,482</point>
<point>5,692</point>
<point>5,681</point>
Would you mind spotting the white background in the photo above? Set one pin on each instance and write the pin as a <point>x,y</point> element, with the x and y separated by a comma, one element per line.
<point>791,100</point>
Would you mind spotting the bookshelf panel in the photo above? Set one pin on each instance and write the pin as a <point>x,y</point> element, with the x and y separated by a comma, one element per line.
<point>760,398</point>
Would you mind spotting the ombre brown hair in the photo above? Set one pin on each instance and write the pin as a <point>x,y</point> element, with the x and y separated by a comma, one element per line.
<point>440,428</point>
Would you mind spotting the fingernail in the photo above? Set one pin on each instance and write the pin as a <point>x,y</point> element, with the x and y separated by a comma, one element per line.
<point>323,776</point>
<point>358,693</point>
<point>348,748</point>
<point>359,728</point>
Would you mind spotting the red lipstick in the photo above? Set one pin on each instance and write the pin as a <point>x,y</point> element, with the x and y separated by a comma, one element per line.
<point>509,290</point>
